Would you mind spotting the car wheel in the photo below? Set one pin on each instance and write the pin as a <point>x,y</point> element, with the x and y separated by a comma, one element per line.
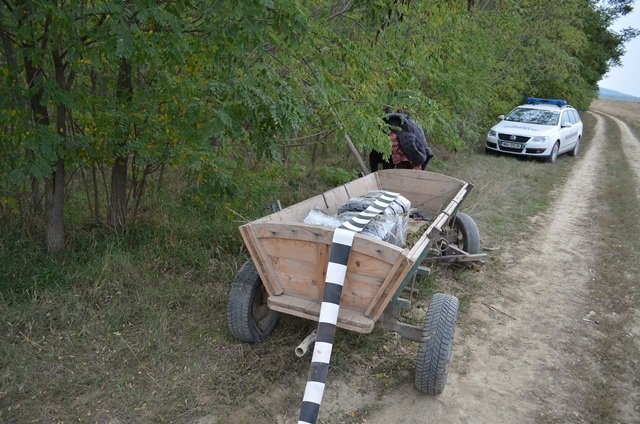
<point>574,152</point>
<point>436,344</point>
<point>554,154</point>
<point>248,315</point>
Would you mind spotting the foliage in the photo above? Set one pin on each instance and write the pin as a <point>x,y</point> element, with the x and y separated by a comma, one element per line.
<point>214,93</point>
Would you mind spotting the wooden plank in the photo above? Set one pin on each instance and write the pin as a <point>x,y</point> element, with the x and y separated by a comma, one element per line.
<point>375,249</point>
<point>303,279</point>
<point>427,191</point>
<point>302,250</point>
<point>293,231</point>
<point>297,212</point>
<point>390,287</point>
<point>335,198</point>
<point>303,275</point>
<point>263,264</point>
<point>361,263</point>
<point>411,174</point>
<point>388,281</point>
<point>418,249</point>
<point>347,319</point>
<point>357,294</point>
<point>362,186</point>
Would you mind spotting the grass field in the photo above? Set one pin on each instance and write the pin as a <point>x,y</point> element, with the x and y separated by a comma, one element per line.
<point>134,330</point>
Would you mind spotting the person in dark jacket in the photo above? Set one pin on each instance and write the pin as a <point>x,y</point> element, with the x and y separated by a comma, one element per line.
<point>409,148</point>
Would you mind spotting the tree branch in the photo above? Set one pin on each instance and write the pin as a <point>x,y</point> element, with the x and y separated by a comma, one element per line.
<point>344,10</point>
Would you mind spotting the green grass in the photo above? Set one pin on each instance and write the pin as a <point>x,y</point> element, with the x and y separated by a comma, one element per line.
<point>134,328</point>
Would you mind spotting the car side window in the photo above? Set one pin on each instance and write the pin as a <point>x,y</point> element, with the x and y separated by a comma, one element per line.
<point>576,116</point>
<point>566,118</point>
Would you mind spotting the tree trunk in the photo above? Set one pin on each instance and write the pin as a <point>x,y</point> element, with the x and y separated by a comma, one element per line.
<point>54,193</point>
<point>119,194</point>
<point>124,93</point>
<point>54,185</point>
<point>96,195</point>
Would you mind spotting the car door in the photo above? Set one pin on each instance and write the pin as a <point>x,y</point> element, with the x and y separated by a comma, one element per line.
<point>577,124</point>
<point>567,139</point>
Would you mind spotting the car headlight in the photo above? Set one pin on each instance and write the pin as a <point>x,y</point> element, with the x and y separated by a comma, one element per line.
<point>539,139</point>
<point>492,133</point>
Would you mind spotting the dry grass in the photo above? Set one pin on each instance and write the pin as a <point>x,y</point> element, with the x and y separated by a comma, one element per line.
<point>629,112</point>
<point>614,289</point>
<point>141,336</point>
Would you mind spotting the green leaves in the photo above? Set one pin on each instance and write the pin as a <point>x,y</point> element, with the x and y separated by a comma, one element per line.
<point>228,80</point>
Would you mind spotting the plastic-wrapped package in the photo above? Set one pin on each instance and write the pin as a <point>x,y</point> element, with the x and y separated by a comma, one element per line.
<point>320,217</point>
<point>390,226</point>
<point>357,204</point>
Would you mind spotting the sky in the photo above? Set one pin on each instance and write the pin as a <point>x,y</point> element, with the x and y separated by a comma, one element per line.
<point>626,78</point>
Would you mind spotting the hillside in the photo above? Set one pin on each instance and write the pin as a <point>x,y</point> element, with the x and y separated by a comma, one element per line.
<point>607,94</point>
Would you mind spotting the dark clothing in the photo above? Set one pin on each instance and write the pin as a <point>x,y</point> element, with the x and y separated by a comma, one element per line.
<point>411,138</point>
<point>376,159</point>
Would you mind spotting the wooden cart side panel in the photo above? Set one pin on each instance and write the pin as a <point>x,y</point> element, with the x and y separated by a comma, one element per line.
<point>376,307</point>
<point>417,252</point>
<point>300,278</point>
<point>329,201</point>
<point>297,212</point>
<point>391,289</point>
<point>358,291</point>
<point>378,250</point>
<point>263,263</point>
<point>413,175</point>
<point>362,185</point>
<point>427,191</point>
<point>300,267</point>
<point>334,198</point>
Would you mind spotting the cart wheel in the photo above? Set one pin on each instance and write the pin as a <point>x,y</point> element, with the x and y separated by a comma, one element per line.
<point>465,233</point>
<point>436,344</point>
<point>249,318</point>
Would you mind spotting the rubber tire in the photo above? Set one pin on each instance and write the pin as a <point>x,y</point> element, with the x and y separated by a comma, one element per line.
<point>554,154</point>
<point>574,152</point>
<point>469,236</point>
<point>249,318</point>
<point>436,344</point>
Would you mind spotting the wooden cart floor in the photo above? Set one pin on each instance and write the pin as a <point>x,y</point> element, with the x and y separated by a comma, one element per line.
<point>304,308</point>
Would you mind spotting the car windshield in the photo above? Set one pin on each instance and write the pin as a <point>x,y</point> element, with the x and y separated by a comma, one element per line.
<point>533,116</point>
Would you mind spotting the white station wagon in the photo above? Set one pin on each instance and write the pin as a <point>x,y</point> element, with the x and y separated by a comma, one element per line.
<point>541,128</point>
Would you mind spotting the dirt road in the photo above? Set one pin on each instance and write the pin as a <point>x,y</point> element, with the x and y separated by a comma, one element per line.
<point>553,336</point>
<point>532,357</point>
<point>530,349</point>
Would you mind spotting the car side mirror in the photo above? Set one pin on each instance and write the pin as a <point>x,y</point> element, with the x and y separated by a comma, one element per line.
<point>501,117</point>
<point>567,124</point>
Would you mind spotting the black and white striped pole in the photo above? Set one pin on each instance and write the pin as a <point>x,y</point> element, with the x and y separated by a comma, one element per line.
<point>334,281</point>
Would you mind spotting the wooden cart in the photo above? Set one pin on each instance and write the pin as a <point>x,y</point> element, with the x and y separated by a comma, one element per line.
<point>286,272</point>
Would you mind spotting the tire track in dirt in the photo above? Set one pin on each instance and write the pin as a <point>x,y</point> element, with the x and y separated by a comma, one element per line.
<point>527,358</point>
<point>630,146</point>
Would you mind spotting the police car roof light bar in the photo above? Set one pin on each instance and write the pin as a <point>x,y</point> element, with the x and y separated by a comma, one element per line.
<point>534,100</point>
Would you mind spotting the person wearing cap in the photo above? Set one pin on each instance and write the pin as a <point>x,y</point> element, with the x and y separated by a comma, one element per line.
<point>409,149</point>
